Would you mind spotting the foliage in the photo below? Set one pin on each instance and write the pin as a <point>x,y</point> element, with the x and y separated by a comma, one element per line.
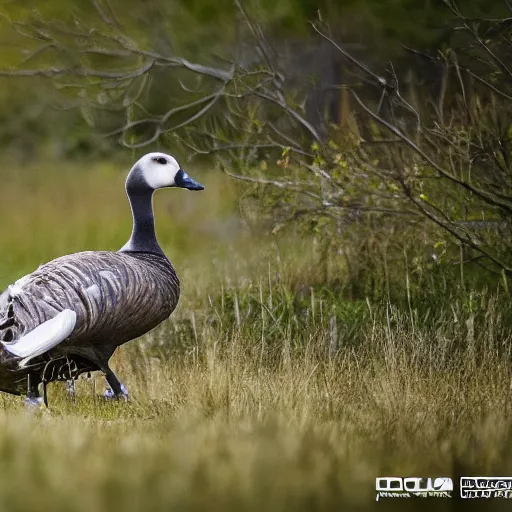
<point>52,36</point>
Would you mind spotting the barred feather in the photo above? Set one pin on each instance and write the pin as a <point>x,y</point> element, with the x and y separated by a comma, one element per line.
<point>117,296</point>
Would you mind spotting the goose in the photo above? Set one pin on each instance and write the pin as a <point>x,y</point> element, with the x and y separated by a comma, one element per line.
<point>69,316</point>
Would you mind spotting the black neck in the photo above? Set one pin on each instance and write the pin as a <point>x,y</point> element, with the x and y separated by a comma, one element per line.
<point>143,238</point>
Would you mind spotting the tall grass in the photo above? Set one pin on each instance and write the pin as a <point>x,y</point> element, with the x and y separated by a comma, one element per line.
<point>267,389</point>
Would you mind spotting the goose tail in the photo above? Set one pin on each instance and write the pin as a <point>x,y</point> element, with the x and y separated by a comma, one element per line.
<point>43,338</point>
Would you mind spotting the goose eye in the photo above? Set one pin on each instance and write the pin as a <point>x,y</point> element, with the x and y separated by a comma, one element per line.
<point>160,159</point>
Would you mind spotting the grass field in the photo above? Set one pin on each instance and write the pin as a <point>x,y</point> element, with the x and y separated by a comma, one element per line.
<point>261,393</point>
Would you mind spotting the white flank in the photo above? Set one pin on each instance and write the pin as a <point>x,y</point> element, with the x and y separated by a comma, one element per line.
<point>44,337</point>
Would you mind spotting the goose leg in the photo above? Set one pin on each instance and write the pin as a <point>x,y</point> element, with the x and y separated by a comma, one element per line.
<point>70,389</point>
<point>33,399</point>
<point>116,389</point>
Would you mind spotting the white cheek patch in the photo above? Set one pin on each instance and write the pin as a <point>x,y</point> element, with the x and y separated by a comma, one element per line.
<point>158,176</point>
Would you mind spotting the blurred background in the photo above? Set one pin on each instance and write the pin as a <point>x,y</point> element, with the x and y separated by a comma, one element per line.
<point>345,309</point>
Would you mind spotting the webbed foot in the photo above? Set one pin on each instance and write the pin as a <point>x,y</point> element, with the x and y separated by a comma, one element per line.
<point>109,394</point>
<point>33,403</point>
<point>70,389</point>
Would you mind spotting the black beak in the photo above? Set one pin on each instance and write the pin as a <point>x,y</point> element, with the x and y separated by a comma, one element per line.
<point>183,180</point>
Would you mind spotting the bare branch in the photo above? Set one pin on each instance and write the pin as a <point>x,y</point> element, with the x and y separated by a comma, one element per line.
<point>293,113</point>
<point>378,79</point>
<point>159,130</point>
<point>489,198</point>
<point>466,240</point>
<point>289,185</point>
<point>80,71</point>
<point>107,18</point>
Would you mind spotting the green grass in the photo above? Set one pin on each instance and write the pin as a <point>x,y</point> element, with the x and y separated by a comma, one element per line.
<point>266,390</point>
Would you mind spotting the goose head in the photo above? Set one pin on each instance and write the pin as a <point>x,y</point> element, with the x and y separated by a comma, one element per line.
<point>159,170</point>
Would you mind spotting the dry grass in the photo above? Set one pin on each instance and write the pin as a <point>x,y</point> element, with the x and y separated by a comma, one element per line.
<point>216,431</point>
<point>258,395</point>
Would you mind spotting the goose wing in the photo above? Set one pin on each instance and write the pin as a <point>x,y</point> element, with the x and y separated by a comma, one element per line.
<point>114,297</point>
<point>43,338</point>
